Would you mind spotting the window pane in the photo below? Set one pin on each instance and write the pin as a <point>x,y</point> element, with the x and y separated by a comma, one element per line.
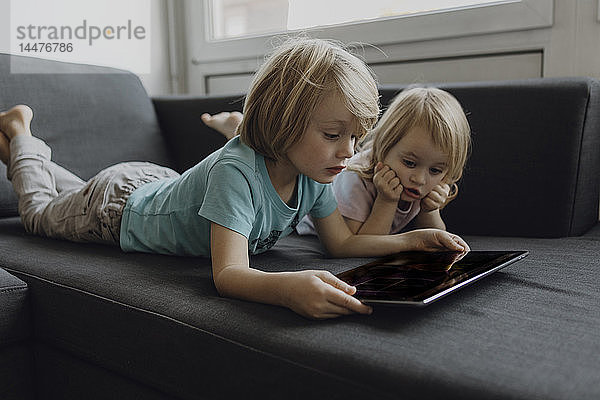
<point>238,18</point>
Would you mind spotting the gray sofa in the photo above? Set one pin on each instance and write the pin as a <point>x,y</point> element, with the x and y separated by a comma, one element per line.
<point>85,321</point>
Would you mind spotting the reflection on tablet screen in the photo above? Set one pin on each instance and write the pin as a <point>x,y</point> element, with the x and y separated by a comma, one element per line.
<point>418,277</point>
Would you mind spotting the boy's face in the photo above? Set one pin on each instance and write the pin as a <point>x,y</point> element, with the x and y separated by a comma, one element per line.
<point>418,162</point>
<point>328,141</point>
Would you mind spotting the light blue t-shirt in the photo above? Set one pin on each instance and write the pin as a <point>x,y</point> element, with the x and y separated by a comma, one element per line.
<point>230,187</point>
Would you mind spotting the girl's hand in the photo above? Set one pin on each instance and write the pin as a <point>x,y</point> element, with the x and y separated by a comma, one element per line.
<point>387,183</point>
<point>436,199</point>
<point>319,294</point>
<point>435,240</point>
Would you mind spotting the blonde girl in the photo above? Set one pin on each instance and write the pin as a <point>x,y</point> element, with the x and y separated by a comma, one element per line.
<point>409,168</point>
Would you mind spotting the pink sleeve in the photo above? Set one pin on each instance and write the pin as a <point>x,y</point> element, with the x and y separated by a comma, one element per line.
<point>355,196</point>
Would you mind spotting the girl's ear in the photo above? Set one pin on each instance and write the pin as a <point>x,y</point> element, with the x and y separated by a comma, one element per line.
<point>452,195</point>
<point>453,191</point>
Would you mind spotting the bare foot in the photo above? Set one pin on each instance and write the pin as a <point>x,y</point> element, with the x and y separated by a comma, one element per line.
<point>16,121</point>
<point>4,149</point>
<point>225,123</point>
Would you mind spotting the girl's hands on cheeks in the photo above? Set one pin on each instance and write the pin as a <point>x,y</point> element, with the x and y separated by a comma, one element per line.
<point>436,199</point>
<point>387,183</point>
<point>319,295</point>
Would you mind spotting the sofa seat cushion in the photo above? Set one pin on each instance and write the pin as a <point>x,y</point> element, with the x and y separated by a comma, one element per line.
<point>528,331</point>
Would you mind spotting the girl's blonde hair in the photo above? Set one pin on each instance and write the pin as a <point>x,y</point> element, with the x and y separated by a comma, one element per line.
<point>432,109</point>
<point>289,85</point>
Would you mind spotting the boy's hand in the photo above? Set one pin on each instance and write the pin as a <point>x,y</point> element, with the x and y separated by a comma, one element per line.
<point>436,199</point>
<point>436,240</point>
<point>320,295</point>
<point>387,183</point>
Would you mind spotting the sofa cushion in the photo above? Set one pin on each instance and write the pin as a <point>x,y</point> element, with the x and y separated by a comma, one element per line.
<point>92,117</point>
<point>529,331</point>
<point>189,138</point>
<point>16,359</point>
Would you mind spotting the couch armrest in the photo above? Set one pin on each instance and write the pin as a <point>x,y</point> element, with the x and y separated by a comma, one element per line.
<point>16,359</point>
<point>14,309</point>
<point>188,138</point>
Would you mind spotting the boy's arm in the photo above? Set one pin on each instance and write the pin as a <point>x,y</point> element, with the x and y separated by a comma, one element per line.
<point>340,242</point>
<point>313,294</point>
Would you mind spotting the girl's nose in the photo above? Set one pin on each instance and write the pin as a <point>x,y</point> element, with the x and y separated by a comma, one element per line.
<point>346,149</point>
<point>418,177</point>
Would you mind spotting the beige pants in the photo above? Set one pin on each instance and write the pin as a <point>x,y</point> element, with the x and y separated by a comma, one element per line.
<point>54,202</point>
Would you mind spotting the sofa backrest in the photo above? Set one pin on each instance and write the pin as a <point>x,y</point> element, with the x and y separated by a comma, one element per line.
<point>91,117</point>
<point>534,170</point>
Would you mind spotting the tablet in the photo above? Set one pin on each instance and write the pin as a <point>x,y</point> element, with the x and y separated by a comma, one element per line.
<point>420,278</point>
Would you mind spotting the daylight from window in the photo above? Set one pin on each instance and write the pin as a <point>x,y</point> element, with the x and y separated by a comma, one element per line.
<point>239,18</point>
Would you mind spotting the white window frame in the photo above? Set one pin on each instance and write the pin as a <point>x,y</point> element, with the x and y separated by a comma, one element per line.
<point>502,16</point>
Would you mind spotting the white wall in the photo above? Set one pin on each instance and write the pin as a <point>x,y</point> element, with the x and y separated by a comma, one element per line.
<point>157,82</point>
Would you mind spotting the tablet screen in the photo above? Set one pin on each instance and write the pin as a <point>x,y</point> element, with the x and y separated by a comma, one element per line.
<point>418,278</point>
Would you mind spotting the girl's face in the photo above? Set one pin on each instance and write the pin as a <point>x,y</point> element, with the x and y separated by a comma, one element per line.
<point>418,162</point>
<point>327,142</point>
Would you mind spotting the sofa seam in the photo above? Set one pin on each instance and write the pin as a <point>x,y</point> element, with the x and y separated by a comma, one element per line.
<point>212,334</point>
<point>585,116</point>
<point>572,223</point>
<point>14,289</point>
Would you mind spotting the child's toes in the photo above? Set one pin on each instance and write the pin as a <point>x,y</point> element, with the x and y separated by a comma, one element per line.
<point>16,121</point>
<point>223,122</point>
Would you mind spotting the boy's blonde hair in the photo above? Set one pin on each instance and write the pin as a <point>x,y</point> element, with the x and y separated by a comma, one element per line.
<point>289,85</point>
<point>432,109</point>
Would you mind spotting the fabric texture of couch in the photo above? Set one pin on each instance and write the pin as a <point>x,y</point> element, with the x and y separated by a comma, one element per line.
<point>96,323</point>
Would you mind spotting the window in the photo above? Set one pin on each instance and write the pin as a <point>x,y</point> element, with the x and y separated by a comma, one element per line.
<point>224,30</point>
<point>238,18</point>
